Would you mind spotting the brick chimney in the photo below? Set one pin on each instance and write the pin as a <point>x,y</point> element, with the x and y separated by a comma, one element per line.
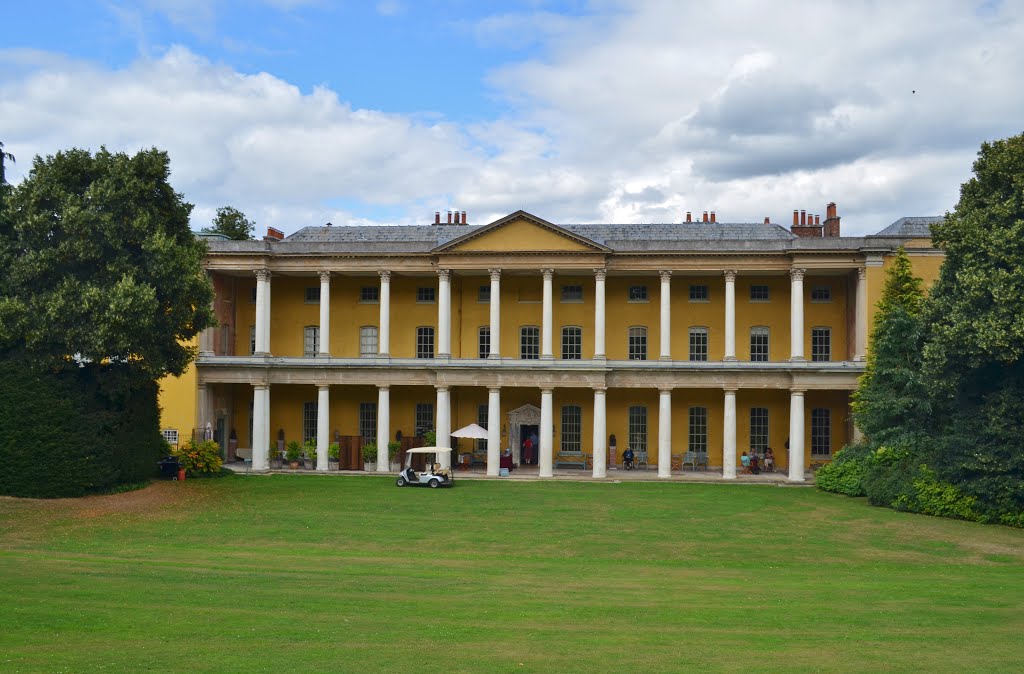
<point>449,217</point>
<point>688,217</point>
<point>712,216</point>
<point>767,221</point>
<point>804,227</point>
<point>437,217</point>
<point>705,216</point>
<point>273,234</point>
<point>463,217</point>
<point>796,218</point>
<point>831,226</point>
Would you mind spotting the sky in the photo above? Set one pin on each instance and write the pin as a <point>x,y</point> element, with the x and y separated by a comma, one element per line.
<point>302,112</point>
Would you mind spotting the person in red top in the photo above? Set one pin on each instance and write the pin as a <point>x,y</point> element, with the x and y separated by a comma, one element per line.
<point>528,451</point>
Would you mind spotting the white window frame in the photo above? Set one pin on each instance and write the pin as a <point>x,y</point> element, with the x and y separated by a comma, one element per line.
<point>821,294</point>
<point>572,429</point>
<point>365,299</point>
<point>698,337</point>
<point>569,293</point>
<point>698,289</point>
<point>368,422</point>
<point>426,295</point>
<point>425,333</point>
<point>821,432</point>
<point>821,344</point>
<point>369,335</point>
<point>483,341</point>
<point>642,295</point>
<point>757,332</point>
<point>572,342</point>
<point>423,418</point>
<point>483,295</point>
<point>171,436</point>
<point>636,342</point>
<point>312,295</point>
<point>759,429</point>
<point>636,428</point>
<point>310,341</point>
<point>760,300</point>
<point>252,340</point>
<point>309,413</point>
<point>698,430</point>
<point>529,342</point>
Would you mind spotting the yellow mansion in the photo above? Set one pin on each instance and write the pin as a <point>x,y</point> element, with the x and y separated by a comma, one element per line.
<point>689,342</point>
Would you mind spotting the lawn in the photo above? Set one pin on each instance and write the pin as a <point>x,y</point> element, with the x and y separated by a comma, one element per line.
<point>291,573</point>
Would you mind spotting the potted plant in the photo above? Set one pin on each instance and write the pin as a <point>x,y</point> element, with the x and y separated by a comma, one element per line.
<point>370,456</point>
<point>293,452</point>
<point>274,454</point>
<point>333,456</point>
<point>309,452</point>
<point>430,438</point>
<point>394,447</point>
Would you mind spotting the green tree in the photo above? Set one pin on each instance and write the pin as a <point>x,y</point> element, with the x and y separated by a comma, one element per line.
<point>100,263</point>
<point>232,223</point>
<point>4,157</point>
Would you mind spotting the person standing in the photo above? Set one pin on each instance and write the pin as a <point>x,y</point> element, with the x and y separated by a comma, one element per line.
<point>528,451</point>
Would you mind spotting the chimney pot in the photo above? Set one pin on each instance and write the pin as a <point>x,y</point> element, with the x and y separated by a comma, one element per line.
<point>817,220</point>
<point>712,216</point>
<point>796,218</point>
<point>688,217</point>
<point>437,217</point>
<point>274,233</point>
<point>449,217</point>
<point>766,220</point>
<point>803,217</point>
<point>463,217</point>
<point>705,216</point>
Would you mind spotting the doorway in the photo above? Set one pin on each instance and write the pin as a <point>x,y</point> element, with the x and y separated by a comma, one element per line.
<point>529,439</point>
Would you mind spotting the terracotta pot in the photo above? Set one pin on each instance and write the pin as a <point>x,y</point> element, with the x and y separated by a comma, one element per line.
<point>181,475</point>
<point>294,465</point>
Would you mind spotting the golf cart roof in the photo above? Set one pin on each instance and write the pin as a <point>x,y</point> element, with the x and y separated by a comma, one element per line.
<point>429,450</point>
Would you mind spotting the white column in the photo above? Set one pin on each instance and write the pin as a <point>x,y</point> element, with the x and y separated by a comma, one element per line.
<point>205,409</point>
<point>546,458</point>
<point>444,314</point>
<point>599,279</point>
<point>323,423</point>
<point>206,337</point>
<point>493,430</point>
<point>383,428</point>
<point>545,349</point>
<point>861,334</point>
<point>665,433</point>
<point>730,314</point>
<point>729,435</point>
<point>262,313</point>
<point>796,436</point>
<point>600,433</point>
<point>666,315</point>
<point>796,314</point>
<point>260,426</point>
<point>444,424</point>
<point>384,331</point>
<point>325,315</point>
<point>495,313</point>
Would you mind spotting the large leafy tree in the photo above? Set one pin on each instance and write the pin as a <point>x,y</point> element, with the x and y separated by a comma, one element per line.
<point>5,157</point>
<point>232,223</point>
<point>100,265</point>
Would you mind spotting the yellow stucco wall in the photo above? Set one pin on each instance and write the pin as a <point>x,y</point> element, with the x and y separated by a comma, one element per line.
<point>521,235</point>
<point>177,399</point>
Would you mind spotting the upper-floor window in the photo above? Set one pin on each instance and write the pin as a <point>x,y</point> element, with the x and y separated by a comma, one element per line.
<point>637,294</point>
<point>484,294</point>
<point>572,426</point>
<point>821,344</point>
<point>821,431</point>
<point>638,343</point>
<point>758,293</point>
<point>484,341</point>
<point>313,295</point>
<point>699,430</point>
<point>572,342</point>
<point>698,343</point>
<point>368,341</point>
<point>572,293</point>
<point>699,293</point>
<point>369,294</point>
<point>426,295</point>
<point>759,344</point>
<point>425,342</point>
<point>529,342</point>
<point>310,340</point>
<point>821,293</point>
<point>252,339</point>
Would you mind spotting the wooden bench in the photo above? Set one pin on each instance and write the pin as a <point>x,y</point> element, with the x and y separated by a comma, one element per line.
<point>563,460</point>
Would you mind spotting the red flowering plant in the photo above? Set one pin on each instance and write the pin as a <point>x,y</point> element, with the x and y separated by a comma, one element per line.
<point>200,458</point>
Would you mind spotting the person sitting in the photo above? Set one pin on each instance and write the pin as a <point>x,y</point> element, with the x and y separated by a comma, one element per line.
<point>745,460</point>
<point>755,465</point>
<point>769,460</point>
<point>628,459</point>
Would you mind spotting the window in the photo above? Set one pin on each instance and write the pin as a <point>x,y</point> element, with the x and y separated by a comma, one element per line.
<point>481,420</point>
<point>698,293</point>
<point>424,342</point>
<point>572,343</point>
<point>759,344</point>
<point>821,294</point>
<point>758,428</point>
<point>313,295</point>
<point>637,294</point>
<point>821,431</point>
<point>484,294</point>
<point>572,293</point>
<point>758,293</point>
<point>368,422</point>
<point>426,295</point>
<point>529,342</point>
<point>698,343</point>
<point>252,339</point>
<point>171,436</point>
<point>637,436</point>
<point>424,418</point>
<point>252,295</point>
<point>638,343</point>
<point>484,341</point>
<point>699,429</point>
<point>369,294</point>
<point>572,423</point>
<point>310,340</point>
<point>821,344</point>
<point>368,344</point>
<point>308,422</point>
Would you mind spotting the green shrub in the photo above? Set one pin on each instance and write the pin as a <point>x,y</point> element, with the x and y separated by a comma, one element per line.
<point>932,497</point>
<point>370,452</point>
<point>334,451</point>
<point>393,448</point>
<point>293,451</point>
<point>199,459</point>
<point>223,472</point>
<point>309,449</point>
<point>845,473</point>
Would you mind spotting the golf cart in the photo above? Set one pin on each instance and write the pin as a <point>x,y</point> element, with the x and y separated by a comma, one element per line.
<point>433,475</point>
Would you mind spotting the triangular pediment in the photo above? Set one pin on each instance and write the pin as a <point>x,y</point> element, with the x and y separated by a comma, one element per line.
<point>521,232</point>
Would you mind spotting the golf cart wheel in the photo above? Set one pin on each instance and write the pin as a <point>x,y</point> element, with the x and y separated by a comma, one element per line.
<point>400,482</point>
<point>435,483</point>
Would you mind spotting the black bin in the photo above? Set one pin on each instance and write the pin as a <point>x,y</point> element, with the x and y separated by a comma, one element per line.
<point>169,467</point>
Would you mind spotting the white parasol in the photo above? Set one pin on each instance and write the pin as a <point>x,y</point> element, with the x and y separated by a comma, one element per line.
<point>473,431</point>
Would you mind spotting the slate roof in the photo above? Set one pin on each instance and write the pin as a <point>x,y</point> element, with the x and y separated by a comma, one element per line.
<point>911,228</point>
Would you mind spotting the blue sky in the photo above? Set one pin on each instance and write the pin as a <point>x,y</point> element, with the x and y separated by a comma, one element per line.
<point>303,111</point>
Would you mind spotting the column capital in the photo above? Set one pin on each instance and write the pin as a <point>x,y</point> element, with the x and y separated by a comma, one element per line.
<point>440,389</point>
<point>444,274</point>
<point>494,389</point>
<point>325,276</point>
<point>662,390</point>
<point>495,274</point>
<point>730,275</point>
<point>797,392</point>
<point>261,387</point>
<point>797,274</point>
<point>600,390</point>
<point>323,387</point>
<point>385,275</point>
<point>862,273</point>
<point>548,273</point>
<point>262,274</point>
<point>730,390</point>
<point>547,391</point>
<point>665,274</point>
<point>383,388</point>
<point>600,273</point>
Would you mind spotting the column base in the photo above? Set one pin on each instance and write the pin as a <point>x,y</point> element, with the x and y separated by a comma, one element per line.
<point>383,355</point>
<point>494,356</point>
<point>730,359</point>
<point>665,359</point>
<point>323,355</point>
<point>261,354</point>
<point>859,359</point>
<point>600,357</point>
<point>797,359</point>
<point>547,357</point>
<point>206,354</point>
